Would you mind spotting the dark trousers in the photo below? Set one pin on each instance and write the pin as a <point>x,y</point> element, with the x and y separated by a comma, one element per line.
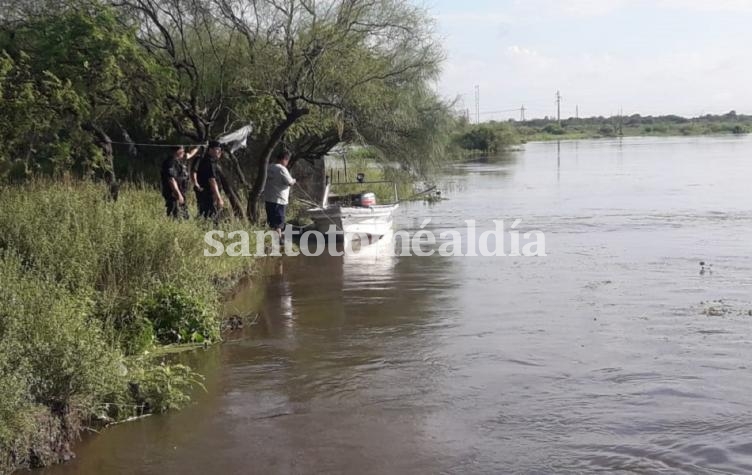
<point>275,215</point>
<point>206,208</point>
<point>175,210</point>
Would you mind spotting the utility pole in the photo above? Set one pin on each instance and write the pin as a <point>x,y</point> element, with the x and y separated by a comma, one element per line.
<point>577,111</point>
<point>522,113</point>
<point>558,107</point>
<point>621,121</point>
<point>477,104</point>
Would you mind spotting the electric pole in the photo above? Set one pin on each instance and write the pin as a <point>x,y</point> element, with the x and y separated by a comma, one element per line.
<point>522,113</point>
<point>477,104</point>
<point>577,111</point>
<point>558,107</point>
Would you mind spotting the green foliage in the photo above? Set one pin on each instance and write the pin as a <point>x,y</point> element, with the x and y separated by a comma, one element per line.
<point>63,75</point>
<point>84,282</point>
<point>633,125</point>
<point>54,357</point>
<point>179,315</point>
<point>605,130</point>
<point>161,387</point>
<point>554,129</point>
<point>35,113</point>
<point>408,125</point>
<point>488,138</point>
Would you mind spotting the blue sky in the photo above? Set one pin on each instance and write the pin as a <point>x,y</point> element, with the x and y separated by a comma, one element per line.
<point>687,57</point>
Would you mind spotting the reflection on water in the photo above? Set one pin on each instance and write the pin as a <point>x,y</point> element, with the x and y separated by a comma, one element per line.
<point>605,355</point>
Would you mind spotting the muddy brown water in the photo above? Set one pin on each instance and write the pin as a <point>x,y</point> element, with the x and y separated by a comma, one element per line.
<point>612,353</point>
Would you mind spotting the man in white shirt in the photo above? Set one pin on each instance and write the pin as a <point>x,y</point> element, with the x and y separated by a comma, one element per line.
<point>277,192</point>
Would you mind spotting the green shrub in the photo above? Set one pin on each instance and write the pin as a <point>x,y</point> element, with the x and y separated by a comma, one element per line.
<point>607,131</point>
<point>179,316</point>
<point>85,282</point>
<point>161,388</point>
<point>48,331</point>
<point>554,129</point>
<point>54,363</point>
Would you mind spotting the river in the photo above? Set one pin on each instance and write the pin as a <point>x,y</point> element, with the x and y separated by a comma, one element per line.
<point>614,352</point>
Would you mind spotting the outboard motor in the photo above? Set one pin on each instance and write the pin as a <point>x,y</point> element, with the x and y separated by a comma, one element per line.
<point>364,200</point>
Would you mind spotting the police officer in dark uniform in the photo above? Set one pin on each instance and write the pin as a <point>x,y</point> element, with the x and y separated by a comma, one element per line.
<point>175,180</point>
<point>207,182</point>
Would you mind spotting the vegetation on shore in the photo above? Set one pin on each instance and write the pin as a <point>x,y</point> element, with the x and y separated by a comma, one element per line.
<point>633,126</point>
<point>88,289</point>
<point>492,137</point>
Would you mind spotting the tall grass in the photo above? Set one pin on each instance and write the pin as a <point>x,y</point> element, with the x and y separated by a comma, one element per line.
<point>87,286</point>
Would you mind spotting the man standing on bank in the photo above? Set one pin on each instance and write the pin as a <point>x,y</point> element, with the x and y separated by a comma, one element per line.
<point>277,193</point>
<point>206,181</point>
<point>174,178</point>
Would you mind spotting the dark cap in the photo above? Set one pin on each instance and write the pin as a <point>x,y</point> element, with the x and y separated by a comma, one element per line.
<point>214,144</point>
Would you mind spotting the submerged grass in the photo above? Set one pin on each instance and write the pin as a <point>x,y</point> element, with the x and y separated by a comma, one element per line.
<point>88,289</point>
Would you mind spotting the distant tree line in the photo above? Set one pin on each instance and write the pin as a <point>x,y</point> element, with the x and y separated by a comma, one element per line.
<point>633,125</point>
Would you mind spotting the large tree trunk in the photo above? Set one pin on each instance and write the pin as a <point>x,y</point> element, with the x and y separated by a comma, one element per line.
<point>235,202</point>
<point>274,140</point>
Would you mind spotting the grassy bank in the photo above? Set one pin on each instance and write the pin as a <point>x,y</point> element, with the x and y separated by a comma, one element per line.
<point>493,137</point>
<point>88,290</point>
<point>632,126</point>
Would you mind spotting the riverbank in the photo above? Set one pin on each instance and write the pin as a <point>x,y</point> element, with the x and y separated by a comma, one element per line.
<point>545,137</point>
<point>632,126</point>
<point>90,289</point>
<point>495,137</point>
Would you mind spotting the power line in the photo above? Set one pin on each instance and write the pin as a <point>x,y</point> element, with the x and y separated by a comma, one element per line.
<point>499,111</point>
<point>159,145</point>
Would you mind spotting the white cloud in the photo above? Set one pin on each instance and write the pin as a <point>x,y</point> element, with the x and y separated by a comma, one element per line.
<point>465,18</point>
<point>566,8</point>
<point>708,5</point>
<point>590,7</point>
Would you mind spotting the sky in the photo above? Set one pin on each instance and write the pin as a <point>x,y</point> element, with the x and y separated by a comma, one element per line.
<point>684,57</point>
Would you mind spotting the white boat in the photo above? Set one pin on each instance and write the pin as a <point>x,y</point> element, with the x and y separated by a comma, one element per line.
<point>369,222</point>
<point>354,222</point>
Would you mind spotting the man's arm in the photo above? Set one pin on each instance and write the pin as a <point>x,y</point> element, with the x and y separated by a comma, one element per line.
<point>176,191</point>
<point>287,177</point>
<point>194,173</point>
<point>215,192</point>
<point>192,153</point>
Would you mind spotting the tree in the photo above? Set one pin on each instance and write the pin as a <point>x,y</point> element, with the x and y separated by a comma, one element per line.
<point>489,137</point>
<point>325,59</point>
<point>86,49</point>
<point>187,37</point>
<point>35,112</point>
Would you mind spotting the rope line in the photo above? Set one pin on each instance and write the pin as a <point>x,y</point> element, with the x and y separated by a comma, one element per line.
<point>323,211</point>
<point>159,144</point>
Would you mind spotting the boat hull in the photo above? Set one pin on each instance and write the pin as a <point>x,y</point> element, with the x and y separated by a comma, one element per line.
<point>354,223</point>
